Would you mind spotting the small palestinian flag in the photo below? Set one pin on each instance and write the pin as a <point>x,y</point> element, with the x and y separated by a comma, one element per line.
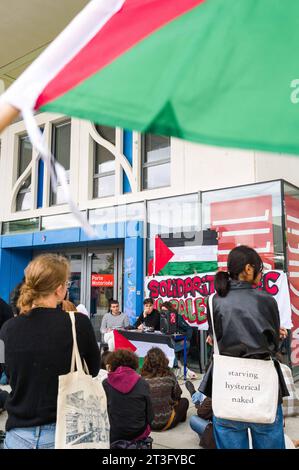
<point>177,255</point>
<point>140,343</point>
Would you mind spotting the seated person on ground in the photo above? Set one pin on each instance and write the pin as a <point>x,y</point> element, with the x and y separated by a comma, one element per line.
<point>103,372</point>
<point>128,398</point>
<point>202,423</point>
<point>112,320</point>
<point>169,408</point>
<point>150,317</point>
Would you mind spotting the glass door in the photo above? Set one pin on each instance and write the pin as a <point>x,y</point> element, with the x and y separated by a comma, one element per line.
<point>75,288</point>
<point>77,260</point>
<point>103,280</point>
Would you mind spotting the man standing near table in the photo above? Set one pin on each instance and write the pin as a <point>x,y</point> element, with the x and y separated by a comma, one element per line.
<point>150,317</point>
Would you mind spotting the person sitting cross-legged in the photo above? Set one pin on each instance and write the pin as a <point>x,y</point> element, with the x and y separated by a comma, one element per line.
<point>128,399</point>
<point>169,408</point>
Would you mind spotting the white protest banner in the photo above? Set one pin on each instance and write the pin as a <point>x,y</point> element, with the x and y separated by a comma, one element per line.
<point>189,294</point>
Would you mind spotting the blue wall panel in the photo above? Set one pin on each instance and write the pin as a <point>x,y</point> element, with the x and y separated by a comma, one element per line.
<point>128,152</point>
<point>106,232</point>
<point>133,277</point>
<point>56,237</point>
<point>17,241</point>
<point>40,185</point>
<point>12,265</point>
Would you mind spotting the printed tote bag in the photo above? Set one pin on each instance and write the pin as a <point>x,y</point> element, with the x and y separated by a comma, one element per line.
<point>82,418</point>
<point>243,389</point>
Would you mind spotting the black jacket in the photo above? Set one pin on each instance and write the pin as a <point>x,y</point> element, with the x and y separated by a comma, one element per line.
<point>129,404</point>
<point>246,325</point>
<point>38,348</point>
<point>152,320</point>
<point>5,312</point>
<point>14,297</point>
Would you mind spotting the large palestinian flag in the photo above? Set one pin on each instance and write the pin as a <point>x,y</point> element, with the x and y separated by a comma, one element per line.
<point>221,72</point>
<point>141,343</point>
<point>180,254</point>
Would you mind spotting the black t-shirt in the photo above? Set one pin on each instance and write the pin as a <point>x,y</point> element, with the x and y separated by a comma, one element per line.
<point>151,320</point>
<point>38,348</point>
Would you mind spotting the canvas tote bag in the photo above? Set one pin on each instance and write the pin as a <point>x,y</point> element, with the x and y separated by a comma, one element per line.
<point>82,418</point>
<point>243,389</point>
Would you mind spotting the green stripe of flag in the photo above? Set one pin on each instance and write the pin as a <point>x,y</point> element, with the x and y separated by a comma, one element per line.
<point>225,80</point>
<point>184,268</point>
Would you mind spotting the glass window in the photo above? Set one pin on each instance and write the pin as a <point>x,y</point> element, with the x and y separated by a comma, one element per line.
<point>173,218</point>
<point>102,282</point>
<point>291,204</point>
<point>247,215</point>
<point>108,220</point>
<point>61,149</point>
<point>18,226</point>
<point>108,133</point>
<point>123,213</point>
<point>55,222</point>
<point>25,154</point>
<point>155,151</point>
<point>24,197</point>
<point>104,165</point>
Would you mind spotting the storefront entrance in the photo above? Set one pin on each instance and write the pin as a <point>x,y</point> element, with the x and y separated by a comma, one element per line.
<point>96,277</point>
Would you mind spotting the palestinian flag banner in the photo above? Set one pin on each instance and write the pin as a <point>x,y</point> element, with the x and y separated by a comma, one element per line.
<point>140,343</point>
<point>220,72</point>
<point>177,255</point>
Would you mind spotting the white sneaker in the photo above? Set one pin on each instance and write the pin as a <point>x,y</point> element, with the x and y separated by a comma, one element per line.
<point>178,372</point>
<point>191,375</point>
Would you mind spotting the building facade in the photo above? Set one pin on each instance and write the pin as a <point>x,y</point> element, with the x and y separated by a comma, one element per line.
<point>133,187</point>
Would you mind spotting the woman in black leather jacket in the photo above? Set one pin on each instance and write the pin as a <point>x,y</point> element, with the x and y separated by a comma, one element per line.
<point>247,325</point>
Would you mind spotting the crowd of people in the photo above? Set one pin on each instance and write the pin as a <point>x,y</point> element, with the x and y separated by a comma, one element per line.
<point>38,349</point>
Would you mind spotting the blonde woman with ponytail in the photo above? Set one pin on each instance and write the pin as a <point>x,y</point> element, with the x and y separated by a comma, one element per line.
<point>38,347</point>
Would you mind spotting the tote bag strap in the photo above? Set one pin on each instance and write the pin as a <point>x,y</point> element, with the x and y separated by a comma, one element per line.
<point>216,349</point>
<point>76,359</point>
<point>73,363</point>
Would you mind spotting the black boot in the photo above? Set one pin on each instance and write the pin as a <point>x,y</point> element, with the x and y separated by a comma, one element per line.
<point>190,387</point>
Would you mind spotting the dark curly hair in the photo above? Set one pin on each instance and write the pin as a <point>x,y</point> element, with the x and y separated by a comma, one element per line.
<point>155,364</point>
<point>170,307</point>
<point>122,357</point>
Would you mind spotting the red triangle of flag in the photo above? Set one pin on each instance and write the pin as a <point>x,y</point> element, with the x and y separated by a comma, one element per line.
<point>150,267</point>
<point>120,342</point>
<point>162,254</point>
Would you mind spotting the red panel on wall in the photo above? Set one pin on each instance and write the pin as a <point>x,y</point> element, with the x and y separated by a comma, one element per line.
<point>246,221</point>
<point>292,226</point>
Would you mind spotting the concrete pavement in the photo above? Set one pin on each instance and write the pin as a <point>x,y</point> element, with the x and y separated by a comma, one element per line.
<point>182,437</point>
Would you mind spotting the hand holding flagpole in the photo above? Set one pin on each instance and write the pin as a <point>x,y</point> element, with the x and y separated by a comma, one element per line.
<point>7,114</point>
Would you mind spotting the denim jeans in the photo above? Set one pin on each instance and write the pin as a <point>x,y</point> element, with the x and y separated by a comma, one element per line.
<point>39,437</point>
<point>234,434</point>
<point>198,424</point>
<point>178,347</point>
